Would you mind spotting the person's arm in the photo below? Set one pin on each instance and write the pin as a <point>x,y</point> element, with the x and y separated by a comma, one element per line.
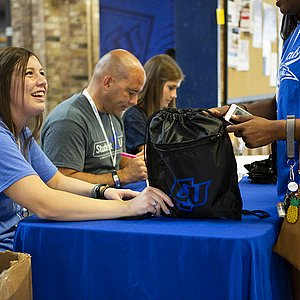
<point>88,177</point>
<point>46,170</point>
<point>257,131</point>
<point>265,108</point>
<point>132,170</point>
<point>26,184</point>
<point>63,206</point>
<point>79,187</point>
<point>297,130</point>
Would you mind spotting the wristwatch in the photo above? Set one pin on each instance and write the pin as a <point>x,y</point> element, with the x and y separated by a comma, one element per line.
<point>116,179</point>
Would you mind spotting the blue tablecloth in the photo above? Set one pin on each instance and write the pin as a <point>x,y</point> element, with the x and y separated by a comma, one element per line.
<point>159,258</point>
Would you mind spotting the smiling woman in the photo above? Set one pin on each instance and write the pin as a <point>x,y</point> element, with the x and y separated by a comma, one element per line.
<point>14,102</point>
<point>28,179</point>
<point>32,102</point>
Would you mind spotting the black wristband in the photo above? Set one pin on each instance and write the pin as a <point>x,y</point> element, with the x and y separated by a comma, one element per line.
<point>98,191</point>
<point>116,179</point>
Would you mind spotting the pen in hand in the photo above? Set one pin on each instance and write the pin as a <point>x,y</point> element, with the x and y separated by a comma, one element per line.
<point>124,154</point>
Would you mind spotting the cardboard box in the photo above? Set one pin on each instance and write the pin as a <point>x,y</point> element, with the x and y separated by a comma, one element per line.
<point>15,276</point>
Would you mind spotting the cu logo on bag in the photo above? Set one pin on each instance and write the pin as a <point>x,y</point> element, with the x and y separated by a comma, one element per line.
<point>189,194</point>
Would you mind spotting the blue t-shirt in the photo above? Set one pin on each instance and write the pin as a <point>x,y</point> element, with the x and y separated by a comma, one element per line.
<point>135,122</point>
<point>13,167</point>
<point>288,103</point>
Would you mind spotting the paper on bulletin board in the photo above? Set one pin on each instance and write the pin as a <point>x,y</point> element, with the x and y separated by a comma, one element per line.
<point>269,36</point>
<point>267,50</point>
<point>233,46</point>
<point>270,21</point>
<point>273,69</point>
<point>233,13</point>
<point>243,56</point>
<point>257,23</point>
<point>246,16</point>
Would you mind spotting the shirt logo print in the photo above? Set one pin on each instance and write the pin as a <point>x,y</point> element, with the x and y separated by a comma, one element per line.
<point>284,71</point>
<point>101,149</point>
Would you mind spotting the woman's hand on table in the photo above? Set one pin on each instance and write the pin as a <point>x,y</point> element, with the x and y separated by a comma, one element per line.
<point>119,194</point>
<point>150,200</point>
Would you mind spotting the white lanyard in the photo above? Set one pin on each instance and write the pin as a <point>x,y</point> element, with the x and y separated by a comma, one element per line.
<point>96,113</point>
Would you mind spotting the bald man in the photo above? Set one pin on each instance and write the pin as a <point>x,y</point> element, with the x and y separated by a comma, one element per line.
<point>83,136</point>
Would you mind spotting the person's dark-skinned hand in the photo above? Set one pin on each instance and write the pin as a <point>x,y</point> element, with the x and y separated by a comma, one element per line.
<point>256,131</point>
<point>219,111</point>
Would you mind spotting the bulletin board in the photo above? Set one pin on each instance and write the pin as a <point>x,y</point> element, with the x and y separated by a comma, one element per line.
<point>251,85</point>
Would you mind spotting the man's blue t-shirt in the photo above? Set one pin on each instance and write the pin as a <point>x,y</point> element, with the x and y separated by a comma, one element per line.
<point>13,167</point>
<point>288,103</point>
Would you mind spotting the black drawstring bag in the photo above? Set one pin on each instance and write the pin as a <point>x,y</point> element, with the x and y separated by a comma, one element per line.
<point>189,156</point>
<point>264,171</point>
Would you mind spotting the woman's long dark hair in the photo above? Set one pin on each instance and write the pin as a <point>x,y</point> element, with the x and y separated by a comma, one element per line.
<point>14,59</point>
<point>288,25</point>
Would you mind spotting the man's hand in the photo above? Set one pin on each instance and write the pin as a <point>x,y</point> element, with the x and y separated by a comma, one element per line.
<point>141,154</point>
<point>135,170</point>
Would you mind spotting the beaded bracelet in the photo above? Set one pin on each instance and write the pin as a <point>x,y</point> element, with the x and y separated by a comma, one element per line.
<point>98,191</point>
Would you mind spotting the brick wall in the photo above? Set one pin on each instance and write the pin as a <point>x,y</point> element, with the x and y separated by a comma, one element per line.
<point>65,36</point>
